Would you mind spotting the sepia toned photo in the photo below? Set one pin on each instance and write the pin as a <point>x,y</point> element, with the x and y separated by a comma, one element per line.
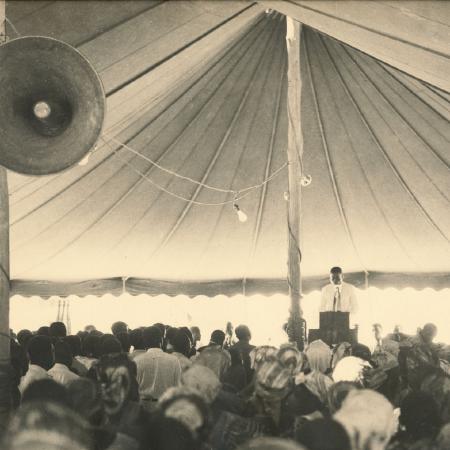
<point>225,225</point>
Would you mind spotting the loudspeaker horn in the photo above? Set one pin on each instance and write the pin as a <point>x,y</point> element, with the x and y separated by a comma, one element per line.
<point>52,105</point>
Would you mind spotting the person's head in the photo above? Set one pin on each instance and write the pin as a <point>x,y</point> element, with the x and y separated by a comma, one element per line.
<point>162,328</point>
<point>43,331</point>
<point>49,426</point>
<point>217,337</point>
<point>116,374</point>
<point>109,344</point>
<point>204,380</point>
<point>63,354</point>
<point>243,333</point>
<point>336,275</point>
<point>419,415</point>
<point>41,352</point>
<point>291,358</point>
<point>23,337</point>
<point>187,407</point>
<point>429,332</point>
<point>319,356</point>
<point>188,333</point>
<point>181,343</point>
<point>58,329</point>
<point>124,339</point>
<point>361,351</point>
<point>152,337</point>
<point>323,434</point>
<point>119,327</point>
<point>89,328</point>
<point>74,343</point>
<point>368,418</point>
<point>338,392</point>
<point>89,345</point>
<point>196,334</point>
<point>46,390</point>
<point>136,339</point>
<point>86,400</point>
<point>351,369</point>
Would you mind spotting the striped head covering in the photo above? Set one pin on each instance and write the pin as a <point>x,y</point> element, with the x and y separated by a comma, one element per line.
<point>260,354</point>
<point>291,358</point>
<point>272,379</point>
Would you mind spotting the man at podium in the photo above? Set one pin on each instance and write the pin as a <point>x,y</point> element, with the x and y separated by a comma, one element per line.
<point>337,295</point>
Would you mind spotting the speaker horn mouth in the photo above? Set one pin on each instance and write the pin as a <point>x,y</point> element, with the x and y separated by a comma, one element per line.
<point>52,105</point>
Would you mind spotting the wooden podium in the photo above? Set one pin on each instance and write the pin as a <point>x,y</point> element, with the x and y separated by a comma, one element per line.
<point>334,328</point>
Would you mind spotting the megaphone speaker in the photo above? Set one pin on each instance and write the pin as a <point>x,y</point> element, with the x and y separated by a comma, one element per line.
<point>52,106</point>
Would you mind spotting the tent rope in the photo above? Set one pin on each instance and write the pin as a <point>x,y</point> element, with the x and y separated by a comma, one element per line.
<point>237,194</point>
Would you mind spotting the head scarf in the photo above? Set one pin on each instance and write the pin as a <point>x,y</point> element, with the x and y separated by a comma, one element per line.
<point>272,379</point>
<point>319,356</point>
<point>318,384</point>
<point>185,405</point>
<point>202,379</point>
<point>341,351</point>
<point>260,354</point>
<point>368,418</point>
<point>291,358</point>
<point>350,368</point>
<point>337,394</point>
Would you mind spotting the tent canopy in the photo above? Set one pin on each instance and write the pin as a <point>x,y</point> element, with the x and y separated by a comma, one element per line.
<point>199,88</point>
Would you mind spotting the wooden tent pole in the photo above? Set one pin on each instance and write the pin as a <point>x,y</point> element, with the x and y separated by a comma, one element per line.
<point>294,153</point>
<point>5,367</point>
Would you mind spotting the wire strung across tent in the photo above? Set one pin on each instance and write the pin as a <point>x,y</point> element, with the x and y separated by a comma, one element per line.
<point>237,194</point>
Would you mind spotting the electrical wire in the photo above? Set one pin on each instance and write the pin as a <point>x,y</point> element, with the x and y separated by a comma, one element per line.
<point>237,194</point>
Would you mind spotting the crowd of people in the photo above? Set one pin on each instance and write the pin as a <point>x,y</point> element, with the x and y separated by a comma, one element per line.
<point>155,388</point>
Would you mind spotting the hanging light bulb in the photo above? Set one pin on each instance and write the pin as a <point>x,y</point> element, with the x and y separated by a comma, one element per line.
<point>85,160</point>
<point>286,195</point>
<point>241,215</point>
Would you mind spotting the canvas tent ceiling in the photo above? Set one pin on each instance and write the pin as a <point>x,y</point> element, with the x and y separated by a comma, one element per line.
<point>200,87</point>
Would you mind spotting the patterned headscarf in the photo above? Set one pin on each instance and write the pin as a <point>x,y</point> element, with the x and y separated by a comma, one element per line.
<point>260,354</point>
<point>291,358</point>
<point>341,351</point>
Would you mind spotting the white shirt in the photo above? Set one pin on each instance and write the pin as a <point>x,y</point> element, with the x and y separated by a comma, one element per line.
<point>346,298</point>
<point>62,374</point>
<point>156,372</point>
<point>34,373</point>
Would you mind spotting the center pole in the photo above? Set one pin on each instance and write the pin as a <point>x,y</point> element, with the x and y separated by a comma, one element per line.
<point>294,154</point>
